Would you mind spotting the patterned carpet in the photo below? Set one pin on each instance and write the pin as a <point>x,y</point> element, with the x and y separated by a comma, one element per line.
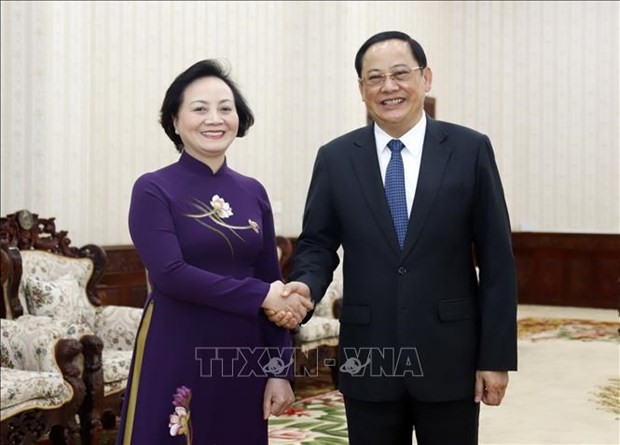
<point>320,419</point>
<point>536,329</point>
<point>584,383</point>
<point>607,395</point>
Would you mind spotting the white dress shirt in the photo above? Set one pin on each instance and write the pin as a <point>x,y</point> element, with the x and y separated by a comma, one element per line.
<point>411,154</point>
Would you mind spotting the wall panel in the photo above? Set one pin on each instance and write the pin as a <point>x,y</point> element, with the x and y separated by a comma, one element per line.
<point>82,83</point>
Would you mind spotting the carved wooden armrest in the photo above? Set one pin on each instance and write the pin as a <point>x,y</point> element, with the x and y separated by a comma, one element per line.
<point>68,353</point>
<point>92,407</point>
<point>337,307</point>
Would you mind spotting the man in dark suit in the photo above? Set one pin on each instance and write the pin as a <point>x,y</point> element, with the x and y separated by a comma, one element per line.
<point>422,342</point>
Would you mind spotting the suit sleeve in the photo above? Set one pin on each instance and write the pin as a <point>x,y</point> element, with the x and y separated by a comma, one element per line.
<point>498,284</point>
<point>315,256</point>
<point>152,230</point>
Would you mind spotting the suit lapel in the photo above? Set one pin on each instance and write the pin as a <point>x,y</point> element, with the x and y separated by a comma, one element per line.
<point>435,157</point>
<point>366,167</point>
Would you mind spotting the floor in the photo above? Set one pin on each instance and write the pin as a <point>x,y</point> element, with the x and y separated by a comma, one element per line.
<point>531,310</point>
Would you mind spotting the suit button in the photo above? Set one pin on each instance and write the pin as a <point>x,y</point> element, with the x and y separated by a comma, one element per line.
<point>402,271</point>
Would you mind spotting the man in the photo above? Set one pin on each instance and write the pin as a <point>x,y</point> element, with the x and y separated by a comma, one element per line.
<point>421,341</point>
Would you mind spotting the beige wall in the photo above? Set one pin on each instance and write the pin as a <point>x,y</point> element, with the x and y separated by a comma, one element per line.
<point>82,83</point>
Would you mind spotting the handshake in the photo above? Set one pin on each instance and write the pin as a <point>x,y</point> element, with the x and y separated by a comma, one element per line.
<point>286,305</point>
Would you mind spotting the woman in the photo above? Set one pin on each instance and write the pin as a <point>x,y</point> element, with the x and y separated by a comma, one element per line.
<point>207,360</point>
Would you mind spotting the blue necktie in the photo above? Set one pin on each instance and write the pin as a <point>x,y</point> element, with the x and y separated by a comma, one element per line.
<point>395,190</point>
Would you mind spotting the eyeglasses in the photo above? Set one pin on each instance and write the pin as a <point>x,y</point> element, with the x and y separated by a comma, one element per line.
<point>398,75</point>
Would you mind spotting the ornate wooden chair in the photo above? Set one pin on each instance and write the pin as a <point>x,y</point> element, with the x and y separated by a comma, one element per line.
<point>58,285</point>
<point>285,253</point>
<point>41,384</point>
<point>317,339</point>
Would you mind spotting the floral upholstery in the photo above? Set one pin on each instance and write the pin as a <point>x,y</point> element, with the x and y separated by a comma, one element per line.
<point>54,298</point>
<point>117,326</point>
<point>71,329</point>
<point>55,270</point>
<point>325,308</point>
<point>29,375</point>
<point>323,328</point>
<point>116,365</point>
<point>55,286</point>
<point>318,331</point>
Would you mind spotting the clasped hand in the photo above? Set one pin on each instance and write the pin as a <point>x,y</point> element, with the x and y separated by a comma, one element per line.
<point>287,304</point>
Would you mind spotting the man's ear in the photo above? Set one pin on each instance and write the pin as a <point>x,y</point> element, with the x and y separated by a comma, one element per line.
<point>361,88</point>
<point>428,79</point>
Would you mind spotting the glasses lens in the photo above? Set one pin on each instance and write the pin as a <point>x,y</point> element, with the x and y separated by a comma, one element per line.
<point>401,75</point>
<point>375,79</point>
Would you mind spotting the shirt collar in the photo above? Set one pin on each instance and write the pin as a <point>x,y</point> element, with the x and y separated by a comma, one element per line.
<point>413,139</point>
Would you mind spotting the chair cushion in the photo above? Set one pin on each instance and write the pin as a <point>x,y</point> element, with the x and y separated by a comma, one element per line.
<point>27,347</point>
<point>114,387</point>
<point>24,390</point>
<point>117,326</point>
<point>116,365</point>
<point>53,298</point>
<point>325,307</point>
<point>318,328</point>
<point>49,267</point>
<point>69,328</point>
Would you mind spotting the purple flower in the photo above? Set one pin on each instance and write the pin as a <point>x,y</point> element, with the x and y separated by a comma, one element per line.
<point>182,397</point>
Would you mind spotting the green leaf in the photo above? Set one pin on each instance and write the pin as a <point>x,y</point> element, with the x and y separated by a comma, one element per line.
<point>327,441</point>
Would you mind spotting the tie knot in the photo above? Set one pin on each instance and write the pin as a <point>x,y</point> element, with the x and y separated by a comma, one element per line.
<point>395,145</point>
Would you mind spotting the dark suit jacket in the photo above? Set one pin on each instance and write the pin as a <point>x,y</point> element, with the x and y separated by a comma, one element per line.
<point>415,320</point>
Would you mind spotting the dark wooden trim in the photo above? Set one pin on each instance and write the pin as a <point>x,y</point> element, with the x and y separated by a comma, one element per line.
<point>124,281</point>
<point>568,269</point>
<point>561,269</point>
<point>430,104</point>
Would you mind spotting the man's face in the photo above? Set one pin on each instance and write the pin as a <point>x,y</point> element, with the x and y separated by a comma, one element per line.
<point>395,105</point>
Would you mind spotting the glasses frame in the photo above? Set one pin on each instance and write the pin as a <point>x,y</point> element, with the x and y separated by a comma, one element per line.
<point>384,76</point>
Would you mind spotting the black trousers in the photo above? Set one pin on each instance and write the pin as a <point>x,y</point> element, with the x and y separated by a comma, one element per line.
<point>393,423</point>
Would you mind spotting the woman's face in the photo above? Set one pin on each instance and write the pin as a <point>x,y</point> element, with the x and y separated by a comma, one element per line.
<point>207,121</point>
